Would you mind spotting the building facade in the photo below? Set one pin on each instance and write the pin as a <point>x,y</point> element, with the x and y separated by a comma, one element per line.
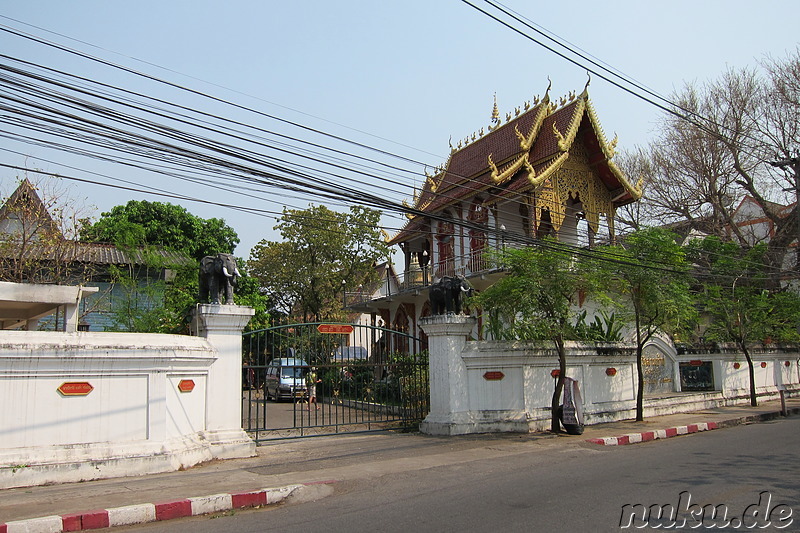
<point>547,170</point>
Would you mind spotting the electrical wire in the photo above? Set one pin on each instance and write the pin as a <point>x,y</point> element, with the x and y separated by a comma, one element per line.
<point>205,159</point>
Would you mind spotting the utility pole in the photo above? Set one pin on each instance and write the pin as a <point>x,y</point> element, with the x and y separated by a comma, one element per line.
<point>794,164</point>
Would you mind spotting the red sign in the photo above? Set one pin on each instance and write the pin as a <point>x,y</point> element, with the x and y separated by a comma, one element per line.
<point>345,329</point>
<point>555,372</point>
<point>696,362</point>
<point>75,388</point>
<point>611,371</point>
<point>186,385</point>
<point>493,376</point>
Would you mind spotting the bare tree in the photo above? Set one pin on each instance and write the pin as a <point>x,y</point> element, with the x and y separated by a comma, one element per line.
<point>37,236</point>
<point>716,150</point>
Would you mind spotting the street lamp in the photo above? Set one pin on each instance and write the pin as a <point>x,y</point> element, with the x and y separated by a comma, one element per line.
<point>503,245</point>
<point>388,280</point>
<point>344,295</point>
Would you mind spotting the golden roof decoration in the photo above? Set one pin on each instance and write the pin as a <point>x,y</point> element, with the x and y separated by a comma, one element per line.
<point>525,143</point>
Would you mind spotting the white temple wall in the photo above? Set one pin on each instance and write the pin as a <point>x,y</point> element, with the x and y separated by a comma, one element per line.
<point>80,406</point>
<point>490,386</point>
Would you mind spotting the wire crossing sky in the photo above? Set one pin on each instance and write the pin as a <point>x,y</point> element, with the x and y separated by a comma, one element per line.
<point>331,103</point>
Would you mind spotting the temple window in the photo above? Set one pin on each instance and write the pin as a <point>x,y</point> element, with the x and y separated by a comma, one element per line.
<point>478,215</point>
<point>445,241</point>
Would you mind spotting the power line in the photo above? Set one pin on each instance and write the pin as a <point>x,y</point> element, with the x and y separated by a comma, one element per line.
<point>288,179</point>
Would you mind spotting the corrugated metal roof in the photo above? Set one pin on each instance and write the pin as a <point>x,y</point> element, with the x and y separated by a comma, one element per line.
<point>93,253</point>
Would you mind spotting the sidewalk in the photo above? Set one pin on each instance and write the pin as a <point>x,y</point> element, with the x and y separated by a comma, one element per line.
<point>309,469</point>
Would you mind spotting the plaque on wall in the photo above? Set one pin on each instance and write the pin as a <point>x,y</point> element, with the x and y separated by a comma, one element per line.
<point>697,376</point>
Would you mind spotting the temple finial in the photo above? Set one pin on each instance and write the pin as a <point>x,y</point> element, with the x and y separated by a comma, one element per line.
<point>495,111</point>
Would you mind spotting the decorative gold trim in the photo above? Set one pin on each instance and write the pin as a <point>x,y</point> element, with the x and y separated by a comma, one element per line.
<point>536,181</point>
<point>525,144</point>
<point>609,149</point>
<point>566,140</point>
<point>560,138</point>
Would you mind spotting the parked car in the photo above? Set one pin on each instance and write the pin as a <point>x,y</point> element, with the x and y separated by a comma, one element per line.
<point>350,353</point>
<point>286,379</point>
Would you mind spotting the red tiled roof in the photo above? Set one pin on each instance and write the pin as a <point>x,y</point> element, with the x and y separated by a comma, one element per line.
<point>467,172</point>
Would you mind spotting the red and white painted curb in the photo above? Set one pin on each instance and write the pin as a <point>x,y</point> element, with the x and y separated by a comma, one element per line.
<point>645,436</point>
<point>152,512</point>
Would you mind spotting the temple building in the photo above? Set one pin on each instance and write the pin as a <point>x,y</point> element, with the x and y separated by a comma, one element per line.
<point>546,170</point>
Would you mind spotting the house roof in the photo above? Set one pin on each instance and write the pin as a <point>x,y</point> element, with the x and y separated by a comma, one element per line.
<point>522,155</point>
<point>108,254</point>
<point>25,202</point>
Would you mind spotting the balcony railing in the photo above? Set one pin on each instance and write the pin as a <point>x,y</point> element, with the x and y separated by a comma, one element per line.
<point>421,277</point>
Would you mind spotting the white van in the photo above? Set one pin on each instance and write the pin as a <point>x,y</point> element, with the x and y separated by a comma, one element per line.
<point>286,379</point>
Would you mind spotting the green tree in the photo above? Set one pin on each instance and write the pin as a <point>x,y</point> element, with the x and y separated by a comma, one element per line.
<point>152,294</point>
<point>323,254</point>
<point>649,272</point>
<point>248,291</point>
<point>163,225</point>
<point>741,303</point>
<point>156,294</point>
<point>538,300</point>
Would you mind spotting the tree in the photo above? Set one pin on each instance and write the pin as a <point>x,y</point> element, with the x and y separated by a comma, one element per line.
<point>248,291</point>
<point>741,304</point>
<point>148,302</point>
<point>323,254</point>
<point>163,225</point>
<point>699,169</point>
<point>538,299</point>
<point>37,229</point>
<point>649,272</point>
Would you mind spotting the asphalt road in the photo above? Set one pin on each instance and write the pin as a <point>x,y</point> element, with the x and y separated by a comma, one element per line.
<point>557,486</point>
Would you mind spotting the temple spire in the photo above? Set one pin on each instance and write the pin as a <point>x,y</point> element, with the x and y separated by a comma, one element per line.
<point>495,111</point>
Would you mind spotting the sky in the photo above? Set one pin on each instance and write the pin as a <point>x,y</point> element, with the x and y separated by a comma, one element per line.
<point>405,78</point>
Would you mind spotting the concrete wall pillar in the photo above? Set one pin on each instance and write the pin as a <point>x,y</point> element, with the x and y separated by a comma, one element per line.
<point>221,326</point>
<point>447,336</point>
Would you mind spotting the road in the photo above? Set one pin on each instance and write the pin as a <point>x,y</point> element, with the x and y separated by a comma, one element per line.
<point>560,485</point>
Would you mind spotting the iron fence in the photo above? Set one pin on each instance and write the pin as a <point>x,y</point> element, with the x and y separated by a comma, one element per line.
<point>311,379</point>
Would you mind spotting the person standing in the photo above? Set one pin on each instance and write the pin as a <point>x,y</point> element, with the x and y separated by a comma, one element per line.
<point>311,382</point>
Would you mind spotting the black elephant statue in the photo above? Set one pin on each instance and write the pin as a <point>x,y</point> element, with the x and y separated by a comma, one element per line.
<point>218,273</point>
<point>446,295</point>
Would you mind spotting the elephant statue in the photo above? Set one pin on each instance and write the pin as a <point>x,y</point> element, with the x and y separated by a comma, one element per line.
<point>218,272</point>
<point>446,295</point>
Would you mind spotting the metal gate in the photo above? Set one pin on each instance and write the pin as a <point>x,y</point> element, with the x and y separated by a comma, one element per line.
<point>365,378</point>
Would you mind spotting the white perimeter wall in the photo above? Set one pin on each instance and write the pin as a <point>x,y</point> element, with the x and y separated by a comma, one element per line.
<point>488,386</point>
<point>135,394</point>
<point>135,420</point>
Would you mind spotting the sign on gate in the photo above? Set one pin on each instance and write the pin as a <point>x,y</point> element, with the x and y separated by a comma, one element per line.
<point>345,329</point>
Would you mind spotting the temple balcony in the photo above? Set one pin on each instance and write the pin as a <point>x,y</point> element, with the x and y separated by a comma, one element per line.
<point>407,286</point>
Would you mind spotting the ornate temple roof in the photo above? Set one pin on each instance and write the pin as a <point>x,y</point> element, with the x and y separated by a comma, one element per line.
<point>521,156</point>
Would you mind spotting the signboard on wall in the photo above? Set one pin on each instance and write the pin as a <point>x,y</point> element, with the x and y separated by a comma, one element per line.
<point>697,375</point>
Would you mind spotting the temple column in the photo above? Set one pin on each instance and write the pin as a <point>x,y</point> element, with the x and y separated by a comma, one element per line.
<point>221,326</point>
<point>447,336</point>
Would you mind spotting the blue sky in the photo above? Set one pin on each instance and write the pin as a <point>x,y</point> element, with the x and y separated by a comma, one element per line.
<point>400,76</point>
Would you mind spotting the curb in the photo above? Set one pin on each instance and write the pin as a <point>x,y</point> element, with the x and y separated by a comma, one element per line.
<point>646,436</point>
<point>153,512</point>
